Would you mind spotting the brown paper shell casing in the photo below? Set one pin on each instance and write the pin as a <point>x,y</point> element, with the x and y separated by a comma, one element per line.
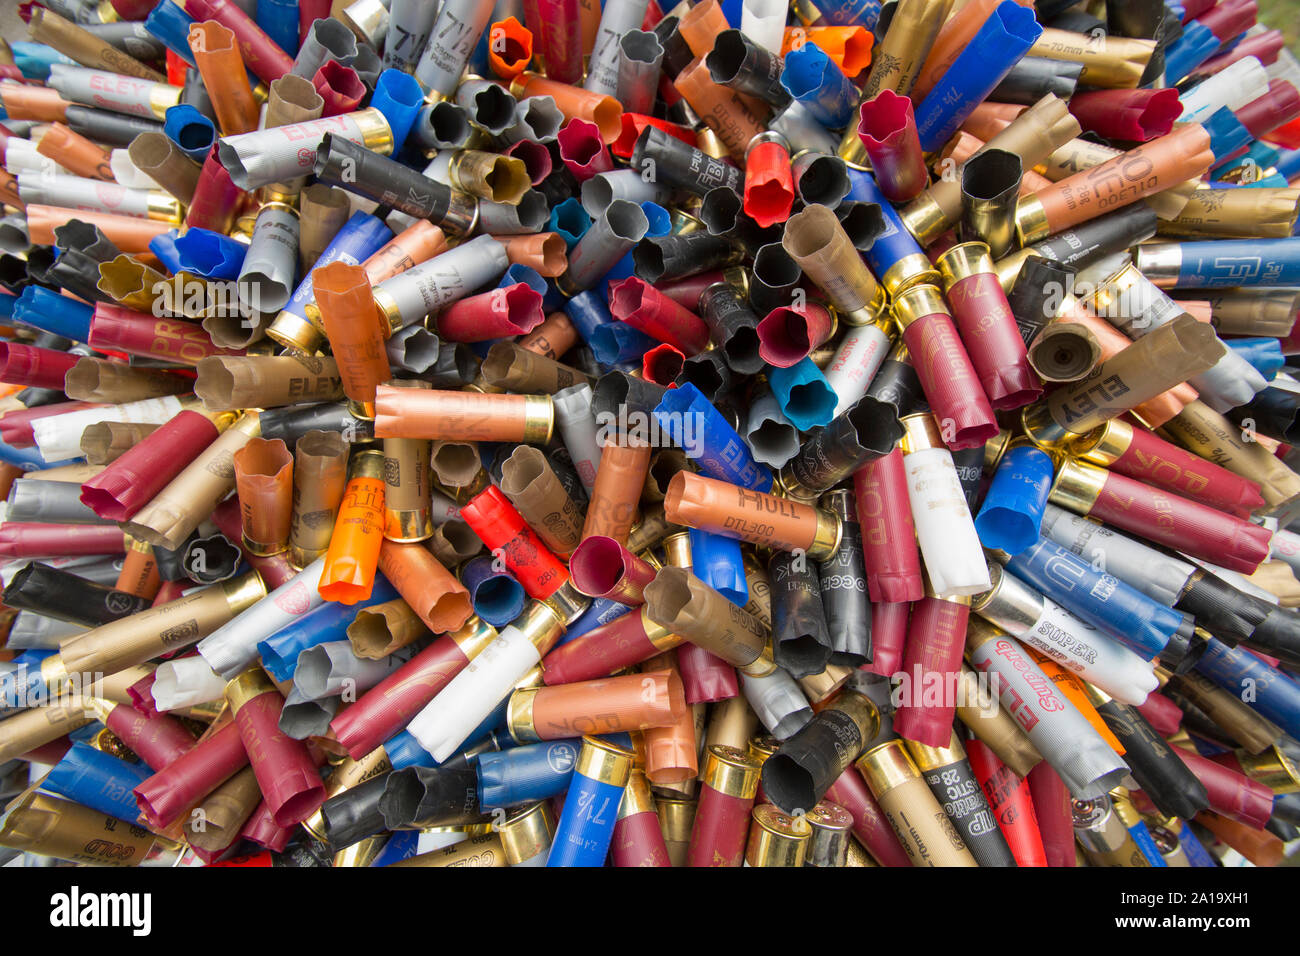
<point>266,381</point>
<point>285,771</point>
<point>610,705</point>
<point>76,154</point>
<point>728,784</point>
<point>603,568</point>
<point>50,826</point>
<point>389,706</point>
<point>461,416</point>
<point>1155,363</point>
<point>162,160</point>
<point>292,99</point>
<point>115,383</point>
<point>924,829</point>
<point>115,329</point>
<point>685,605</point>
<point>457,467</point>
<point>936,639</point>
<point>119,491</point>
<point>816,240</point>
<point>381,629</point>
<point>905,46</point>
<point>625,641</point>
<point>672,751</point>
<point>1201,429</point>
<point>734,512</point>
<point>870,825</point>
<point>454,542</point>
<point>530,483</point>
<point>1154,411</point>
<point>191,496</point>
<point>948,378</point>
<point>889,550</point>
<point>320,475</point>
<point>215,823</point>
<point>433,592</point>
<point>264,482</point>
<point>322,212</point>
<point>84,47</point>
<point>1150,168</point>
<point>347,311</point>
<point>612,510</point>
<point>995,727</point>
<point>516,368</point>
<point>130,283</point>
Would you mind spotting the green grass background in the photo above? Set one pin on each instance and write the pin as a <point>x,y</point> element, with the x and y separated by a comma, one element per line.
<point>1282,15</point>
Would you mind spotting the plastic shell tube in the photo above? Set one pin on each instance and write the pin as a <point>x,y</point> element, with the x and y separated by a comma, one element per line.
<point>447,720</point>
<point>893,564</point>
<point>888,130</point>
<point>1014,606</point>
<point>586,827</point>
<point>1141,624</point>
<point>1067,741</point>
<point>286,774</point>
<point>943,365</point>
<point>353,554</point>
<point>935,638</point>
<point>1004,38</point>
<point>1012,513</point>
<point>715,446</point>
<point>812,78</point>
<point>946,533</point>
<point>1193,528</point>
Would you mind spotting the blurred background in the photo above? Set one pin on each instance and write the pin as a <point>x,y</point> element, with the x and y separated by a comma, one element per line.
<point>1282,15</point>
